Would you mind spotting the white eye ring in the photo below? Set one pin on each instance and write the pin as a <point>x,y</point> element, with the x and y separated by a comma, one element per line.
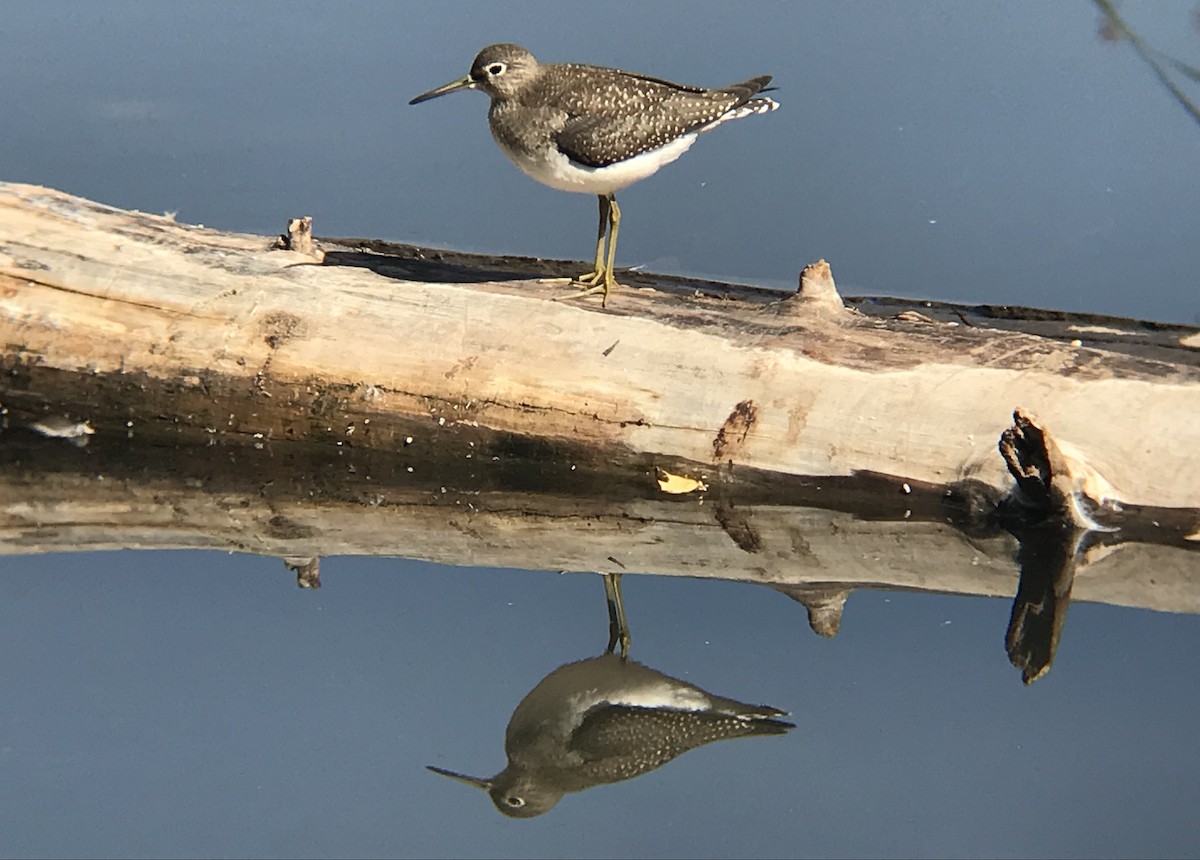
<point>496,69</point>
<point>515,802</point>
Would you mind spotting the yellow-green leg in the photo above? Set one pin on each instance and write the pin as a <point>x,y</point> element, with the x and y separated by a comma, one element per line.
<point>596,275</point>
<point>601,279</point>
<point>614,220</point>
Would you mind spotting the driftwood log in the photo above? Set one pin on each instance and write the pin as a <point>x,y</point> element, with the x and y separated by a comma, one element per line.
<point>241,337</point>
<point>299,399</point>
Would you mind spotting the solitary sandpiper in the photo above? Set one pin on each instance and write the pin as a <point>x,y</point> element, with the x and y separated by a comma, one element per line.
<point>608,719</point>
<point>603,720</point>
<point>595,130</point>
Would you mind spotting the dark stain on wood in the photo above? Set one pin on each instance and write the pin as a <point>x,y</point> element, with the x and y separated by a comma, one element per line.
<point>279,327</point>
<point>285,528</point>
<point>736,524</point>
<point>732,436</point>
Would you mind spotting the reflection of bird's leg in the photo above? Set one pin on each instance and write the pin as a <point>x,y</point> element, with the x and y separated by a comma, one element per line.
<point>618,628</point>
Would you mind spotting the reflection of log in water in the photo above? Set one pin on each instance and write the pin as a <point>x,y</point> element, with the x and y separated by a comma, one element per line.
<point>501,509</point>
<point>487,503</point>
<point>442,407</point>
<point>604,720</point>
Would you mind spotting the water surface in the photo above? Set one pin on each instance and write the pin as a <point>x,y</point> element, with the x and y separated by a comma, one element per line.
<point>186,703</point>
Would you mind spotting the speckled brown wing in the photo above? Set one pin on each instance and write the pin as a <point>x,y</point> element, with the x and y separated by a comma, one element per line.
<point>601,129</point>
<point>617,742</point>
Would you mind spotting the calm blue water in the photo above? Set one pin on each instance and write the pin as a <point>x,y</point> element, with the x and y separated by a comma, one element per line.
<point>198,704</point>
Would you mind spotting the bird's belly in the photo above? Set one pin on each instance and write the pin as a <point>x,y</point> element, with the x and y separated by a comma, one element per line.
<point>556,170</point>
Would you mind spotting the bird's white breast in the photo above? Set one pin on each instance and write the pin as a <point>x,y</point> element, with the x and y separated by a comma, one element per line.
<point>551,167</point>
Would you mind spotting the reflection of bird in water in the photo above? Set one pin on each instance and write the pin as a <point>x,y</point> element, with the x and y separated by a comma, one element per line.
<point>606,719</point>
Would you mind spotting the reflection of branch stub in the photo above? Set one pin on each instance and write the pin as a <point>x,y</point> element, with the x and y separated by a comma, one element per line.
<point>307,569</point>
<point>1049,555</point>
<point>824,604</point>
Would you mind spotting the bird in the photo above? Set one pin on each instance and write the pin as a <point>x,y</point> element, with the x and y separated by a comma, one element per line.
<point>596,130</point>
<point>607,719</point>
<point>603,720</point>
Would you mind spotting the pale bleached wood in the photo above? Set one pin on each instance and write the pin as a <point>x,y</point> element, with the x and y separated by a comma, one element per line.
<point>229,335</point>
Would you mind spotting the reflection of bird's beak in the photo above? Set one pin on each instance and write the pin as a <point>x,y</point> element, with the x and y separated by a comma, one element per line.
<point>485,784</point>
<point>461,84</point>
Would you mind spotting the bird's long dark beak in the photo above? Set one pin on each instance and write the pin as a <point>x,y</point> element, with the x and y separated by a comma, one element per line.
<point>461,84</point>
<point>485,784</point>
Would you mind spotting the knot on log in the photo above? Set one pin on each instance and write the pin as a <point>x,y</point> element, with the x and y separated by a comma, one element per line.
<point>817,294</point>
<point>299,238</point>
<point>1027,452</point>
<point>817,287</point>
<point>1049,482</point>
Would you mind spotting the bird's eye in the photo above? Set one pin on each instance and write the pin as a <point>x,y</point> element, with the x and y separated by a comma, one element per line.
<point>515,802</point>
<point>495,69</point>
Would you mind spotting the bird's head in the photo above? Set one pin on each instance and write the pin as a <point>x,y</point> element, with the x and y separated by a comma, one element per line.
<point>498,70</point>
<point>516,796</point>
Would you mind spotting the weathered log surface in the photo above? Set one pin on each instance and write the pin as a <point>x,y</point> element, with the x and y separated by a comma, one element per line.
<point>128,319</point>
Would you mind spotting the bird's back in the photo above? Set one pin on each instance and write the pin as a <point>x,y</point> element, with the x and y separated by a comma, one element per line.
<point>594,91</point>
<point>616,742</point>
<point>598,117</point>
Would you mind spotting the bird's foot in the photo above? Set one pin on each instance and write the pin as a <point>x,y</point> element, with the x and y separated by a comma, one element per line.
<point>590,283</point>
<point>597,281</point>
<point>591,279</point>
<point>587,279</point>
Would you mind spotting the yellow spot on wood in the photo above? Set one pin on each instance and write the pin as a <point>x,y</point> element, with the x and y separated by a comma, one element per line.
<point>677,484</point>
